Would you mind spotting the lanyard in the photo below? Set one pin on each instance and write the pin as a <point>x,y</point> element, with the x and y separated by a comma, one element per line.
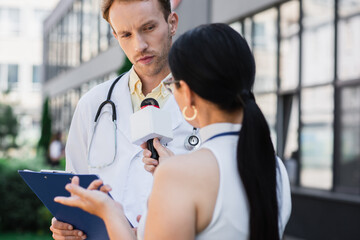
<point>223,134</point>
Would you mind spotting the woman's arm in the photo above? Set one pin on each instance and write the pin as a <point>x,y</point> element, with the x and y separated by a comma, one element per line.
<point>171,207</point>
<point>100,204</point>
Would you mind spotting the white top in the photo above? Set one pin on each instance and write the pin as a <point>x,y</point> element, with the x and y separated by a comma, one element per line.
<point>130,182</point>
<point>55,149</point>
<point>231,213</point>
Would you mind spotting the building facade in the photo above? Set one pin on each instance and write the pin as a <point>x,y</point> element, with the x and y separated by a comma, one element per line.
<point>307,84</point>
<point>21,23</point>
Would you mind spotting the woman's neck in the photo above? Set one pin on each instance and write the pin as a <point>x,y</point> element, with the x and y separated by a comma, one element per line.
<point>211,114</point>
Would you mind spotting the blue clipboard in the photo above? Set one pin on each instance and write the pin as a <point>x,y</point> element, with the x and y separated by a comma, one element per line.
<point>48,185</point>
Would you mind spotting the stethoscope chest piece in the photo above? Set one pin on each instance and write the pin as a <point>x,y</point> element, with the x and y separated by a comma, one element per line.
<point>193,141</point>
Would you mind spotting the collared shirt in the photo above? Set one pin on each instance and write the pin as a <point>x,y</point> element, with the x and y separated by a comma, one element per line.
<point>160,94</point>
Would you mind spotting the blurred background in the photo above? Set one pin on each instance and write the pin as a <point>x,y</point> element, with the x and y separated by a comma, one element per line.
<point>307,84</point>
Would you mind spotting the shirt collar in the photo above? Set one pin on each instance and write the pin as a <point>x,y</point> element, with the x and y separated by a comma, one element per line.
<point>163,90</point>
<point>216,128</point>
<point>133,80</point>
<point>135,83</point>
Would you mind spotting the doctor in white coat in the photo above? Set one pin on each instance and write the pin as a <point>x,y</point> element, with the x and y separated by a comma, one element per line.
<point>144,30</point>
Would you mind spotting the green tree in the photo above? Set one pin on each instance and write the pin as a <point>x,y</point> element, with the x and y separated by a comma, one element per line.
<point>8,127</point>
<point>125,67</point>
<point>45,137</point>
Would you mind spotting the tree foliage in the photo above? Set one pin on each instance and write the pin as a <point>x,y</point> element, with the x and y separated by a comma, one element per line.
<point>125,67</point>
<point>8,127</point>
<point>45,127</point>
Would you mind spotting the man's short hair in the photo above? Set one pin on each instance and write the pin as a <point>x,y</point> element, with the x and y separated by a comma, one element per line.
<point>106,4</point>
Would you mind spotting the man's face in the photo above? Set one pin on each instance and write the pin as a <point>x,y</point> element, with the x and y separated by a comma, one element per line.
<point>143,34</point>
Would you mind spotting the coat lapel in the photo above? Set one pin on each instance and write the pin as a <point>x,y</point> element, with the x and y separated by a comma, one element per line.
<point>172,107</point>
<point>122,100</point>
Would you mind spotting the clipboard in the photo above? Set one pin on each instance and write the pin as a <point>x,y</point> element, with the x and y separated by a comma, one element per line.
<point>49,184</point>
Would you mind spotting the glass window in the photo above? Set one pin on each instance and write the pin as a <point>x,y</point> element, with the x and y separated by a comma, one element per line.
<point>52,52</point>
<point>237,26</point>
<point>291,121</point>
<point>86,31</point>
<point>268,105</point>
<point>90,29</point>
<point>3,80</point>
<point>2,21</point>
<point>289,45</point>
<point>95,25</point>
<point>13,76</point>
<point>349,164</point>
<point>290,126</point>
<point>318,42</point>
<point>349,40</point>
<point>264,49</point>
<point>39,16</point>
<point>36,74</point>
<point>74,29</point>
<point>58,55</point>
<point>317,137</point>
<point>104,34</point>
<point>9,22</point>
<point>248,31</point>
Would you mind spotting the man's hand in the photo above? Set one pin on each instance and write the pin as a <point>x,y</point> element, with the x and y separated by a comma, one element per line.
<point>150,163</point>
<point>65,231</point>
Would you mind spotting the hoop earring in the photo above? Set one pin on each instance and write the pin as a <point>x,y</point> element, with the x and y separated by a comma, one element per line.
<point>189,118</point>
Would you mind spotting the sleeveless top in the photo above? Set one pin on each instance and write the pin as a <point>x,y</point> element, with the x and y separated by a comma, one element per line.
<point>230,218</point>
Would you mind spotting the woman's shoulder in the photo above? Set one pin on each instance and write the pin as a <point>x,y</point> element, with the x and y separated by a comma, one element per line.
<point>187,168</point>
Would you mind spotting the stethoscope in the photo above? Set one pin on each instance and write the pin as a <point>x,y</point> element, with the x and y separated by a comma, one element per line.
<point>192,142</point>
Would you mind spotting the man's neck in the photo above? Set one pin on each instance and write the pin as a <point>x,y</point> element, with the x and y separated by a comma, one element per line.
<point>151,82</point>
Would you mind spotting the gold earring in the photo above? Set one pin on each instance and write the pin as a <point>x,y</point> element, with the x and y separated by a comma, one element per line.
<point>189,118</point>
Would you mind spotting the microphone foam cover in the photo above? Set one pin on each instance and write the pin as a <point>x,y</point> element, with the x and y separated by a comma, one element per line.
<point>151,122</point>
<point>149,101</point>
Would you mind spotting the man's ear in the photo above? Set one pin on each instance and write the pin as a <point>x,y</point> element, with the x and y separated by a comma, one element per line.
<point>173,21</point>
<point>115,35</point>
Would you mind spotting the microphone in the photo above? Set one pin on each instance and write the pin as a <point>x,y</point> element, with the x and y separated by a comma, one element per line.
<point>150,122</point>
<point>150,142</point>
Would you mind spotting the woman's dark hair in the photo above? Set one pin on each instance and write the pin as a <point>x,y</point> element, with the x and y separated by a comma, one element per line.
<point>217,64</point>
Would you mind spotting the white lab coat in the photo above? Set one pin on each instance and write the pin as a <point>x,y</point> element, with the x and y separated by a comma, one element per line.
<point>130,182</point>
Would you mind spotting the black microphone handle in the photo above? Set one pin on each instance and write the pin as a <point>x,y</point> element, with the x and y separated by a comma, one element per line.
<point>150,146</point>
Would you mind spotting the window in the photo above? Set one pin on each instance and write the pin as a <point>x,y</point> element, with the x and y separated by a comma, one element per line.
<point>36,74</point>
<point>349,163</point>
<point>267,104</point>
<point>318,42</point>
<point>12,76</point>
<point>349,39</point>
<point>87,29</point>
<point>9,22</point>
<point>265,50</point>
<point>105,34</point>
<point>39,16</point>
<point>3,80</point>
<point>289,45</point>
<point>95,25</point>
<point>237,26</point>
<point>317,137</point>
<point>248,31</point>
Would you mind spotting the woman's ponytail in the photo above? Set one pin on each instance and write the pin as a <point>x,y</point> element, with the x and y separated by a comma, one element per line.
<point>257,168</point>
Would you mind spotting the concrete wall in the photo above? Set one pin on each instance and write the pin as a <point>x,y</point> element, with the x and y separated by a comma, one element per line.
<point>323,215</point>
<point>105,63</point>
<point>192,13</point>
<point>229,10</point>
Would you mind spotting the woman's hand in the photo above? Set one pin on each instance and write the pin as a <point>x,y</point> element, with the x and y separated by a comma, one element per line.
<point>150,163</point>
<point>91,200</point>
